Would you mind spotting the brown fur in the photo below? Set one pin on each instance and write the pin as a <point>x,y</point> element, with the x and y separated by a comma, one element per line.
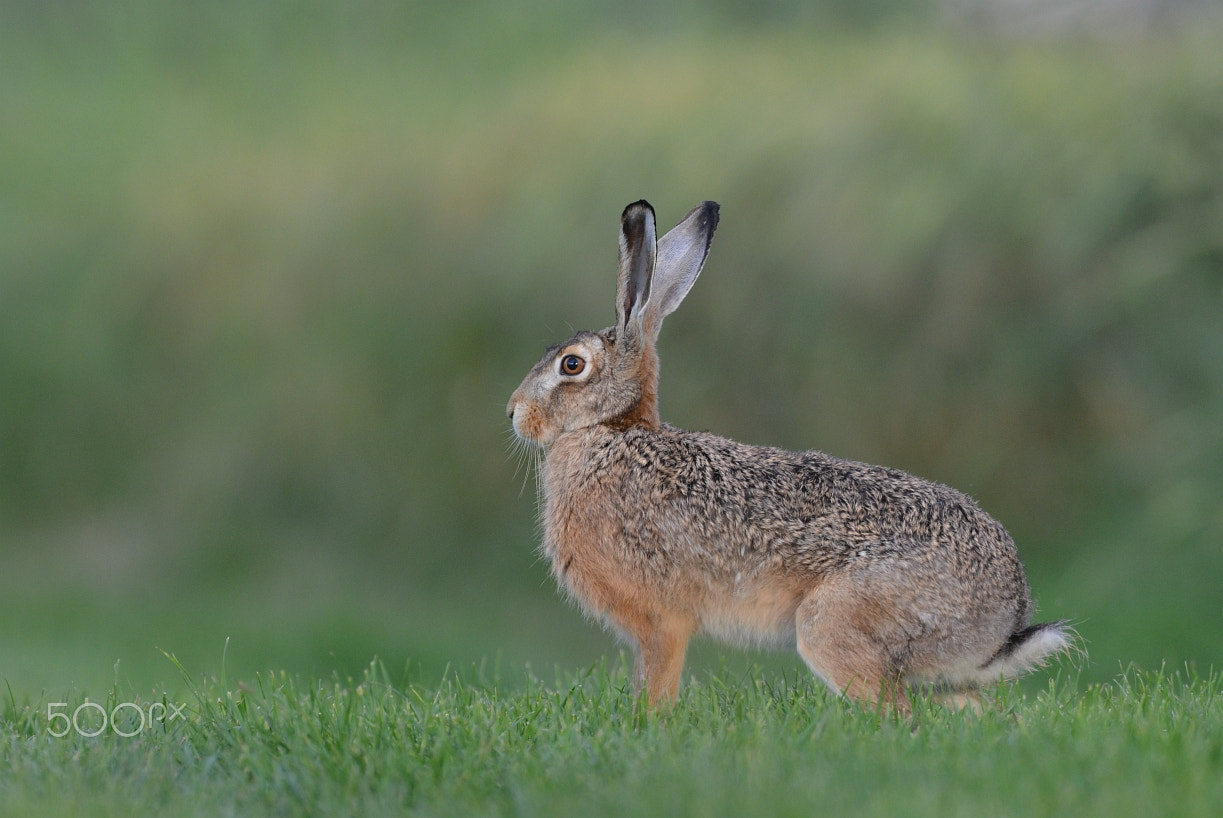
<point>877,577</point>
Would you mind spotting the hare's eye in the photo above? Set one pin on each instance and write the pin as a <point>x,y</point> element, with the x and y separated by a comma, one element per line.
<point>572,365</point>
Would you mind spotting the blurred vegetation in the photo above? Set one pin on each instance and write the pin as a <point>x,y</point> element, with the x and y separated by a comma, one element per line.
<point>270,270</point>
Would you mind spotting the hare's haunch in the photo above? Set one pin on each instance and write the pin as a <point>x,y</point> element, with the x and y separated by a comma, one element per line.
<point>880,579</point>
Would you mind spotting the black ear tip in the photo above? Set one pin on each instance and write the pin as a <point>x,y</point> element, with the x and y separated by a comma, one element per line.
<point>709,213</point>
<point>636,210</point>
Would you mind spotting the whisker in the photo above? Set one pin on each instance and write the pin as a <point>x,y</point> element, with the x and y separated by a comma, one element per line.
<point>526,473</point>
<point>528,458</point>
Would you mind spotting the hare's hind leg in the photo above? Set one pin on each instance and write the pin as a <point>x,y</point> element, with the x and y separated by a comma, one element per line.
<point>838,637</point>
<point>966,700</point>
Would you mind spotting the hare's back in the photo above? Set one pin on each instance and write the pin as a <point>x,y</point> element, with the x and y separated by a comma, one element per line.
<point>809,507</point>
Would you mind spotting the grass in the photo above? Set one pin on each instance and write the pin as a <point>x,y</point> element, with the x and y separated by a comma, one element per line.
<point>1146,743</point>
<point>267,278</point>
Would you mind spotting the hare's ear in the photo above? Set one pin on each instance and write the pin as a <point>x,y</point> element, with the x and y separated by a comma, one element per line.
<point>681,255</point>
<point>638,250</point>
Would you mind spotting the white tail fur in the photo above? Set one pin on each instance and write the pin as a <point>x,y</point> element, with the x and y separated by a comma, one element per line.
<point>1030,649</point>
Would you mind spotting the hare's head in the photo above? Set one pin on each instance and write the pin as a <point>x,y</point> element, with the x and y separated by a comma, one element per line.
<point>611,376</point>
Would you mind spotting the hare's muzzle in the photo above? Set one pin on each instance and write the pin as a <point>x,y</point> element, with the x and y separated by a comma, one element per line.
<point>517,413</point>
<point>511,410</point>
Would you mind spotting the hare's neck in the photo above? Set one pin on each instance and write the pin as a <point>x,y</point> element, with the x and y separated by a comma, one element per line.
<point>644,413</point>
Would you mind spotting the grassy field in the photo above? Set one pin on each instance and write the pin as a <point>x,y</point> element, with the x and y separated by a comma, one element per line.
<point>269,271</point>
<point>1146,744</point>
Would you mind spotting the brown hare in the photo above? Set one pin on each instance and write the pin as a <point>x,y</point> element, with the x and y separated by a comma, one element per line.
<point>880,579</point>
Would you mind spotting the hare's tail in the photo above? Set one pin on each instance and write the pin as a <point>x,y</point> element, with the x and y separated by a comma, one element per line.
<point>1030,648</point>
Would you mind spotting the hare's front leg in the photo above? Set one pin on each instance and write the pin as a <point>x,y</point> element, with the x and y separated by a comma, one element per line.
<point>659,644</point>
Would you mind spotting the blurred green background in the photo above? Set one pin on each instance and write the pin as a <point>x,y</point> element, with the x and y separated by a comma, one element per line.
<point>269,271</point>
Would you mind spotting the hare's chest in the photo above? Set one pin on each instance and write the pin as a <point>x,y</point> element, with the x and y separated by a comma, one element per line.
<point>588,536</point>
<point>578,534</point>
